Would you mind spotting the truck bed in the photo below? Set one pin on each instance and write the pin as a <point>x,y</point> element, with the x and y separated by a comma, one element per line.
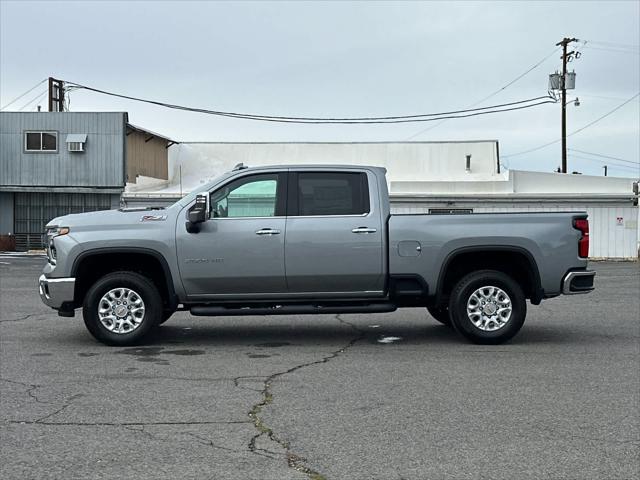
<point>423,243</point>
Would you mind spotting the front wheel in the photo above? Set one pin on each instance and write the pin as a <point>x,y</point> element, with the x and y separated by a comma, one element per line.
<point>487,307</point>
<point>122,308</point>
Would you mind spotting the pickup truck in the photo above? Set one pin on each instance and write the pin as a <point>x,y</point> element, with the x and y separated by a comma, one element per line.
<point>317,239</point>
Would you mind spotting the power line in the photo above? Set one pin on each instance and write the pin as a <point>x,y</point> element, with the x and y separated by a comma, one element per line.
<point>494,93</point>
<point>351,120</point>
<point>617,99</point>
<point>25,93</point>
<point>604,156</point>
<point>34,99</point>
<point>619,165</point>
<point>575,131</point>
<point>605,115</point>
<point>607,49</point>
<point>614,44</point>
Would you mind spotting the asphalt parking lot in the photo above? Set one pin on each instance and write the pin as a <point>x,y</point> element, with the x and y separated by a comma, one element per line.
<point>322,396</point>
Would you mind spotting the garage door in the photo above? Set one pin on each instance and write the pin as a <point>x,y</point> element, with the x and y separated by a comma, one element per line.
<point>32,211</point>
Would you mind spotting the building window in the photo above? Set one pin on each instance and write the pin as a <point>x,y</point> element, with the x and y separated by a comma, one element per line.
<point>41,141</point>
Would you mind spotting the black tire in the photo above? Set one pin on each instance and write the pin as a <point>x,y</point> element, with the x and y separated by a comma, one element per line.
<point>441,314</point>
<point>462,293</point>
<point>143,287</point>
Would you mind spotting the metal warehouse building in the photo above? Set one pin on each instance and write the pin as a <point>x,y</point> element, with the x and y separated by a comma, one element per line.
<point>55,163</point>
<point>425,177</point>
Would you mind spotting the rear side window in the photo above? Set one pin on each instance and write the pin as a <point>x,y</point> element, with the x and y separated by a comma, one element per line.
<point>320,193</point>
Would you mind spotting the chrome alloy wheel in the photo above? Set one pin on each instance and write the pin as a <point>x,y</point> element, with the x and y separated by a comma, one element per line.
<point>489,308</point>
<point>121,310</point>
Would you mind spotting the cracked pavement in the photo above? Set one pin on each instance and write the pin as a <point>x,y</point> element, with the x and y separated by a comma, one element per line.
<point>319,397</point>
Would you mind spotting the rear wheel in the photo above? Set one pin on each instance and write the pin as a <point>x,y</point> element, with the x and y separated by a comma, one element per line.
<point>487,307</point>
<point>441,314</point>
<point>122,308</point>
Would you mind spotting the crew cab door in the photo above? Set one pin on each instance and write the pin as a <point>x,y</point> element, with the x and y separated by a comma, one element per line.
<point>239,250</point>
<point>334,238</point>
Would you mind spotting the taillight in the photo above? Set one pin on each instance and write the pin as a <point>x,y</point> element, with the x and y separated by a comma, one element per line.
<point>582,224</point>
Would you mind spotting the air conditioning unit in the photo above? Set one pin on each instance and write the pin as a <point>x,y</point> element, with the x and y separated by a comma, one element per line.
<point>76,142</point>
<point>76,146</point>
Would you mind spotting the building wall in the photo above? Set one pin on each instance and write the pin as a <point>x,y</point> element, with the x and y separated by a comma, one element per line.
<point>6,213</point>
<point>148,158</point>
<point>33,210</point>
<point>197,163</point>
<point>101,165</point>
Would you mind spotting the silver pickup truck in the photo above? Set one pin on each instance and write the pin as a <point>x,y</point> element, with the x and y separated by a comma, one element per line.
<point>308,239</point>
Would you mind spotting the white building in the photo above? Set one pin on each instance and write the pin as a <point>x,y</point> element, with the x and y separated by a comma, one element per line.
<point>423,177</point>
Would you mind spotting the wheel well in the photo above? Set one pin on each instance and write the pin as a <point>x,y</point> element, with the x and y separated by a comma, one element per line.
<point>516,264</point>
<point>91,268</point>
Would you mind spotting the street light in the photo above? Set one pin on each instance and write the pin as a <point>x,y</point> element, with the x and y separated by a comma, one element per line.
<point>575,101</point>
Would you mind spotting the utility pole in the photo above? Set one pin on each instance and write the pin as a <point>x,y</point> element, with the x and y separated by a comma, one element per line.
<point>563,86</point>
<point>56,95</point>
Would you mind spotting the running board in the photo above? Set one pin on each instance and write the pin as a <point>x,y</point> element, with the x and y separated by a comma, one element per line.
<point>218,311</point>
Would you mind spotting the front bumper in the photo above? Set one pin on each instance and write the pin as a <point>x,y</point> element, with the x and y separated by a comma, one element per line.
<point>55,292</point>
<point>578,282</point>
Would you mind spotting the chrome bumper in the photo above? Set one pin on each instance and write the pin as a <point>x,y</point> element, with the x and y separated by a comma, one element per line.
<point>578,282</point>
<point>56,291</point>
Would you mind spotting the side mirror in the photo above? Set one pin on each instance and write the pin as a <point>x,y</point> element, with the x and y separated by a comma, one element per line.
<point>197,214</point>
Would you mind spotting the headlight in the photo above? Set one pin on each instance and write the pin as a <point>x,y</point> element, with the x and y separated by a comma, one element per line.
<point>51,234</point>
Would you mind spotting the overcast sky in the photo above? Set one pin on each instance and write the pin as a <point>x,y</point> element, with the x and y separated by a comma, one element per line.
<point>339,59</point>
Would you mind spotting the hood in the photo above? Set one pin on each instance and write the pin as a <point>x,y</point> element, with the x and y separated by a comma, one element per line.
<point>106,218</point>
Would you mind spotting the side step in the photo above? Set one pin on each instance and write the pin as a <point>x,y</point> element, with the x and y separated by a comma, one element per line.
<point>219,311</point>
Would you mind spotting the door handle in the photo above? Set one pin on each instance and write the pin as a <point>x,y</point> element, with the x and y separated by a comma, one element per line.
<point>364,230</point>
<point>267,231</point>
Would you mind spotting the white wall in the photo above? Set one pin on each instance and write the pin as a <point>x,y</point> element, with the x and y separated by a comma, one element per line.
<point>404,161</point>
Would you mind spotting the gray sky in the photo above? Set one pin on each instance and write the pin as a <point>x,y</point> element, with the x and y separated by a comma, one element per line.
<point>338,59</point>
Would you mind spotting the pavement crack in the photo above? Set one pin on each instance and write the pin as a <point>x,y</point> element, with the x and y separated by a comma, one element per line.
<point>208,442</point>
<point>294,461</point>
<point>132,428</point>
<point>31,388</point>
<point>7,320</point>
<point>118,424</point>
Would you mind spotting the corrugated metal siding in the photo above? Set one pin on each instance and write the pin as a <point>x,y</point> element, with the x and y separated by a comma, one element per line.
<point>146,158</point>
<point>101,165</point>
<point>6,213</point>
<point>33,211</point>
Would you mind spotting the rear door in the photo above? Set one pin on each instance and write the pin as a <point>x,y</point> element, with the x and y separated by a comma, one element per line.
<point>334,239</point>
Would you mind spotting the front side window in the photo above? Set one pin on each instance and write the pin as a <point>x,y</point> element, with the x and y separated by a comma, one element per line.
<point>41,141</point>
<point>254,196</point>
<point>330,193</point>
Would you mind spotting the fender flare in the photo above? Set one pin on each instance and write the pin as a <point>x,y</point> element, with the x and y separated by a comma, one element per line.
<point>173,297</point>
<point>538,292</point>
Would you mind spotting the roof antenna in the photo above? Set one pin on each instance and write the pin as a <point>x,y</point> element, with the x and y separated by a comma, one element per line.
<point>239,166</point>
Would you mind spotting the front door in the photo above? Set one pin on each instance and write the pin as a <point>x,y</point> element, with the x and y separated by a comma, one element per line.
<point>334,235</point>
<point>239,250</point>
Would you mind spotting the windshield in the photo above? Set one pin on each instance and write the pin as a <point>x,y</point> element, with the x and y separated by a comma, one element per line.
<point>187,199</point>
